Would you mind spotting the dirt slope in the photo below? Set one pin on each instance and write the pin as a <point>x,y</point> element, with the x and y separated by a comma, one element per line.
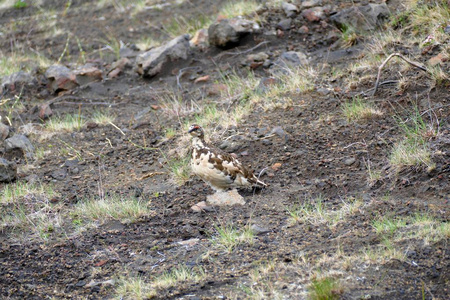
<point>316,165</point>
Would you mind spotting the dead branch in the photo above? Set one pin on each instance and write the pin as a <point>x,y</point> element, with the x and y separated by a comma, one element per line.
<point>181,73</point>
<point>380,68</point>
<point>365,93</point>
<point>242,52</point>
<point>85,103</point>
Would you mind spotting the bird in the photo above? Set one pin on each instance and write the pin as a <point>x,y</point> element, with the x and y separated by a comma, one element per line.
<point>219,169</point>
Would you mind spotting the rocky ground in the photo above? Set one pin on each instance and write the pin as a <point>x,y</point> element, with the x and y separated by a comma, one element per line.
<point>339,215</point>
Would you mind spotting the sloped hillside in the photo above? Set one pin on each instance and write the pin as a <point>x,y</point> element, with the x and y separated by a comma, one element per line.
<point>341,107</point>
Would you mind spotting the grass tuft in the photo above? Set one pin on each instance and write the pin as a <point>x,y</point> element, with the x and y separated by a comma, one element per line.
<point>349,36</point>
<point>180,169</point>
<point>413,150</point>
<point>418,226</point>
<point>135,287</point>
<point>103,117</point>
<point>178,275</point>
<point>315,212</point>
<point>357,109</point>
<point>68,123</point>
<point>324,289</point>
<point>228,238</point>
<point>27,208</point>
<point>180,25</point>
<point>16,62</point>
<point>126,210</point>
<point>233,9</point>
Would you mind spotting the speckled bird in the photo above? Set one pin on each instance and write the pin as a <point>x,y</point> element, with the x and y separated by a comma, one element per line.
<point>219,169</point>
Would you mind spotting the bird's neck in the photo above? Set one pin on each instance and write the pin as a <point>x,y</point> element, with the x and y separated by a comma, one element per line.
<point>198,142</point>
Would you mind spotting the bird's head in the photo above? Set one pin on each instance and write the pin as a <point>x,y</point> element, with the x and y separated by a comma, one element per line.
<point>196,131</point>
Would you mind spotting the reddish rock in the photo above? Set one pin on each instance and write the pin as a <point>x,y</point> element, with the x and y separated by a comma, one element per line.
<point>276,166</point>
<point>15,82</point>
<point>114,73</point>
<point>314,14</point>
<point>45,111</point>
<point>303,29</point>
<point>202,79</point>
<point>60,78</point>
<point>118,66</point>
<point>216,89</point>
<point>437,60</point>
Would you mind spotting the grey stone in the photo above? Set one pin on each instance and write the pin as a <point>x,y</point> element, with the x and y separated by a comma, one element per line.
<point>45,111</point>
<point>284,24</point>
<point>266,83</point>
<point>16,81</point>
<point>259,230</point>
<point>8,170</point>
<point>59,174</point>
<point>311,3</point>
<point>261,56</point>
<point>230,146</point>
<point>278,130</point>
<point>228,32</point>
<point>447,29</point>
<point>4,131</point>
<point>289,60</point>
<point>19,141</point>
<point>323,91</point>
<point>289,9</point>
<point>151,62</point>
<point>32,179</point>
<point>366,17</point>
<point>349,161</point>
<point>60,78</point>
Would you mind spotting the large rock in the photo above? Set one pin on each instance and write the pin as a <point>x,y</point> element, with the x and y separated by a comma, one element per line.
<point>60,78</point>
<point>366,17</point>
<point>151,62</point>
<point>20,142</point>
<point>227,32</point>
<point>16,81</point>
<point>8,170</point>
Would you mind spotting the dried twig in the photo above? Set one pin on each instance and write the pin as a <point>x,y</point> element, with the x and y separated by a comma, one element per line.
<point>415,64</point>
<point>181,72</point>
<point>86,103</point>
<point>242,52</point>
<point>365,93</point>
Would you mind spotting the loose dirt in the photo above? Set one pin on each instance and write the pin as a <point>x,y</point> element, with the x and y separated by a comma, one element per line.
<point>319,155</point>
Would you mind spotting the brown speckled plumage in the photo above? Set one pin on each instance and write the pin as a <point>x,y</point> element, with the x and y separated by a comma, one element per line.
<point>220,169</point>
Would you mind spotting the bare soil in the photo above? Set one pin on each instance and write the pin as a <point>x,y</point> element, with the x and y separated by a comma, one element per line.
<point>313,160</point>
